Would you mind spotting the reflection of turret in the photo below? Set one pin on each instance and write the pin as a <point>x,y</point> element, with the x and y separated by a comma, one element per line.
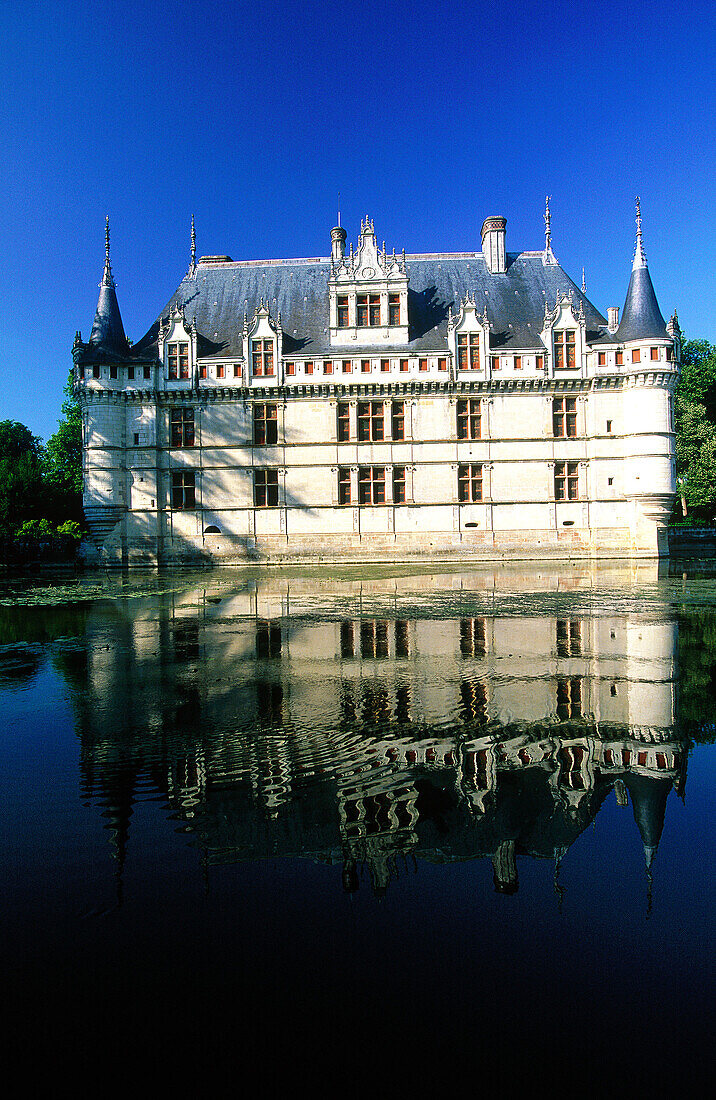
<point>648,797</point>
<point>504,866</point>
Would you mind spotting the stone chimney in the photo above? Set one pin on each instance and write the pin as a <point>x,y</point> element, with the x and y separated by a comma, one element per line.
<point>493,244</point>
<point>338,243</point>
<point>613,318</point>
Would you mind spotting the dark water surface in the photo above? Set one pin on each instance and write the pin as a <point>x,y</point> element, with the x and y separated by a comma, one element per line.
<point>357,830</point>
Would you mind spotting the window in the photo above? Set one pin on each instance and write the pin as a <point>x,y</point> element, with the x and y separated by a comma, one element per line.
<point>473,701</point>
<point>670,353</point>
<point>385,365</point>
<point>569,698</point>
<point>95,372</point>
<point>327,366</point>
<point>136,439</point>
<point>130,374</point>
<point>602,358</point>
<point>564,343</point>
<point>290,369</point>
<point>402,642</point>
<point>344,422</point>
<point>182,427</point>
<point>654,355</point>
<point>268,639</point>
<point>308,367</point>
<point>517,362</point>
<point>469,421</point>
<point>220,370</point>
<point>178,360</point>
<point>237,371</point>
<point>422,364</point>
<point>371,484</point>
<point>365,366</point>
<point>370,421</point>
<point>202,370</point>
<point>399,485</point>
<point>569,638</point>
<point>564,417</point>
<point>113,370</point>
<point>265,424</point>
<point>620,358</point>
<point>261,357</point>
<point>566,481</point>
<point>404,366</point>
<point>344,485</point>
<point>442,364</point>
<point>397,420</point>
<point>636,355</point>
<point>495,362</point>
<point>183,490</point>
<point>609,427</point>
<point>469,483</point>
<point>468,351</point>
<point>473,637</point>
<point>147,373</point>
<point>346,366</point>
<point>347,639</point>
<point>393,309</point>
<point>539,362</point>
<point>342,304</point>
<point>266,488</point>
<point>374,639</point>
<point>368,313</point>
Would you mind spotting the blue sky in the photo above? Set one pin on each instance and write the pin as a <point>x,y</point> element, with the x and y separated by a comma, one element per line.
<point>427,116</point>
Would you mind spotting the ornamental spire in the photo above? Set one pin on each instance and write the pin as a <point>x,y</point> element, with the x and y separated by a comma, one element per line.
<point>548,256</point>
<point>193,247</point>
<point>639,254</point>
<point>584,282</point>
<point>107,279</point>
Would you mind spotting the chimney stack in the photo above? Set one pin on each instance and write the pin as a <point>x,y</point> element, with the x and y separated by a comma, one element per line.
<point>493,244</point>
<point>338,243</point>
<point>613,318</point>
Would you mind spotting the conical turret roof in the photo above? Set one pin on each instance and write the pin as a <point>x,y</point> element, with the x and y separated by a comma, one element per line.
<point>642,318</point>
<point>107,328</point>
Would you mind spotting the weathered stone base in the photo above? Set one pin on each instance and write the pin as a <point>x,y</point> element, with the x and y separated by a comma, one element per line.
<point>615,543</point>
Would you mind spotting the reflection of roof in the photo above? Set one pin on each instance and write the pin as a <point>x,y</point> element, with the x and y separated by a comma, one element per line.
<point>648,796</point>
<point>218,295</point>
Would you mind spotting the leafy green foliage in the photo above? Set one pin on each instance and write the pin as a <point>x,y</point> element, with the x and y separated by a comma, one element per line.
<point>696,427</point>
<point>21,484</point>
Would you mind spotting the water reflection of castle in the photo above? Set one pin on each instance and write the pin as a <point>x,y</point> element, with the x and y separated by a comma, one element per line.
<point>367,723</point>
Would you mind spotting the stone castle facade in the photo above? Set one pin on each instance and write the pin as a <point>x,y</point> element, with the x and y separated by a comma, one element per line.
<point>372,406</point>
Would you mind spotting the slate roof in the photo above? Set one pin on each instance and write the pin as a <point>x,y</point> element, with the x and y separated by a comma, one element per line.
<point>642,318</point>
<point>216,296</point>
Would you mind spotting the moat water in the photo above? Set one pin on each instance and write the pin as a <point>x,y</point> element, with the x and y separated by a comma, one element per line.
<point>352,829</point>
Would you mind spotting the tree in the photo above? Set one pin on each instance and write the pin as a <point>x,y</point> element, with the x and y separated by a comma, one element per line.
<point>63,461</point>
<point>696,427</point>
<point>22,495</point>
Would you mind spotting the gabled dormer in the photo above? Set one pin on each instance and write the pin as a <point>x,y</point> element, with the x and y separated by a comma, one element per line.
<point>177,348</point>
<point>368,293</point>
<point>262,344</point>
<point>468,337</point>
<point>564,335</point>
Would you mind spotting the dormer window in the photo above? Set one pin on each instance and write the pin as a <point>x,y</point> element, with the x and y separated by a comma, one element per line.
<point>394,309</point>
<point>564,349</point>
<point>468,351</point>
<point>368,312</point>
<point>262,357</point>
<point>178,360</point>
<point>342,306</point>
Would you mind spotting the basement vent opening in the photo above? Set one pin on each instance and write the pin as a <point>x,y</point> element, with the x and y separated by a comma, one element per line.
<point>212,530</point>
<point>472,525</point>
<point>568,523</point>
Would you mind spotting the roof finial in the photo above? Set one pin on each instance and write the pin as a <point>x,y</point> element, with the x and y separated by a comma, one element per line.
<point>639,254</point>
<point>547,223</point>
<point>339,209</point>
<point>193,246</point>
<point>107,279</point>
<point>584,282</point>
